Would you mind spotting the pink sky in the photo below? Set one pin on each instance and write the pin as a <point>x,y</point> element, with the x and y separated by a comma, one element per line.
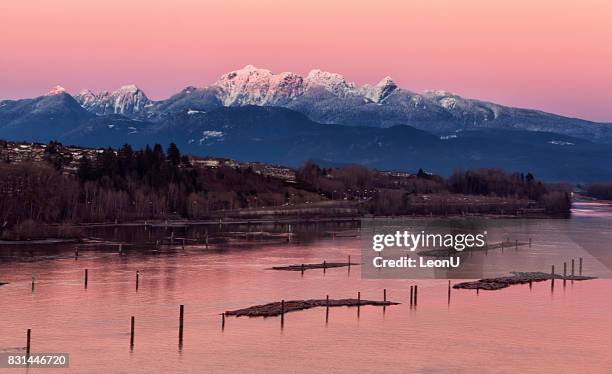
<point>554,55</point>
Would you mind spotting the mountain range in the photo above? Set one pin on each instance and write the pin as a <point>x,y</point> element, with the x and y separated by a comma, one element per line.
<point>254,114</point>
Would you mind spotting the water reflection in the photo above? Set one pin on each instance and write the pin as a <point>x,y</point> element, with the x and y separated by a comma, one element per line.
<point>521,328</point>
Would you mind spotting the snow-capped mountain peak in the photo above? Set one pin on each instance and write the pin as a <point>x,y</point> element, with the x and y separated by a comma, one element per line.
<point>128,100</point>
<point>86,98</point>
<point>56,90</point>
<point>128,89</point>
<point>253,86</point>
<point>380,91</point>
<point>334,83</point>
<point>325,97</point>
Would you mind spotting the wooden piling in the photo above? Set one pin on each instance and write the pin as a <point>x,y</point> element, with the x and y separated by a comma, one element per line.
<point>411,295</point>
<point>324,265</point>
<point>416,290</point>
<point>349,261</point>
<point>384,294</point>
<point>580,266</point>
<point>28,338</point>
<point>132,332</point>
<point>326,308</point>
<point>33,281</point>
<point>564,270</point>
<point>222,320</point>
<point>449,290</point>
<point>181,318</point>
<point>137,279</point>
<point>86,277</point>
<point>573,263</point>
<point>282,313</point>
<point>552,276</point>
<point>358,299</point>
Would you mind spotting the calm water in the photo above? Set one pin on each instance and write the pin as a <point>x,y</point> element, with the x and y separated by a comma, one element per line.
<point>512,330</point>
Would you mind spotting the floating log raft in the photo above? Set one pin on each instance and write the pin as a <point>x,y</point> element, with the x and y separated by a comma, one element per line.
<point>323,265</point>
<point>276,308</point>
<point>3,283</point>
<point>516,278</point>
<point>446,252</point>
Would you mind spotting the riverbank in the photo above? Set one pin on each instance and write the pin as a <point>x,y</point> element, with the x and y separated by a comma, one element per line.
<point>34,233</point>
<point>40,241</point>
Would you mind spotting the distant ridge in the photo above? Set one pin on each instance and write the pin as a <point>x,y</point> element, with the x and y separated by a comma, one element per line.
<point>329,98</point>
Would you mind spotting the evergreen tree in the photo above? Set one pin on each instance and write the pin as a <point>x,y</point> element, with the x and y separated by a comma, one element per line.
<point>173,154</point>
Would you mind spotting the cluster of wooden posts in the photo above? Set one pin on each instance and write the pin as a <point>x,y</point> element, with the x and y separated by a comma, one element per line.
<point>573,263</point>
<point>132,330</point>
<point>413,303</point>
<point>413,296</point>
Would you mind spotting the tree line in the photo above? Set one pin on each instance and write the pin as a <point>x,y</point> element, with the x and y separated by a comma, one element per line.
<point>397,193</point>
<point>118,185</point>
<point>600,190</point>
<point>127,184</point>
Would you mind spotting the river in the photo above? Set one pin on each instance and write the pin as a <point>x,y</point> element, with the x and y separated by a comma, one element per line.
<point>517,329</point>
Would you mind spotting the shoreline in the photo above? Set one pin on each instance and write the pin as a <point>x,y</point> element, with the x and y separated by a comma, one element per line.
<point>262,220</point>
<point>177,223</point>
<point>47,241</point>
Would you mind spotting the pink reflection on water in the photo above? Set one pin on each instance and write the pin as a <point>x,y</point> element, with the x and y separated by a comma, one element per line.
<point>592,209</point>
<point>516,329</point>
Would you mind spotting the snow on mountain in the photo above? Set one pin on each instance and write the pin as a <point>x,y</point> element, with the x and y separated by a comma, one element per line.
<point>253,86</point>
<point>332,82</point>
<point>478,111</point>
<point>128,100</point>
<point>56,90</point>
<point>329,98</point>
<point>380,91</point>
